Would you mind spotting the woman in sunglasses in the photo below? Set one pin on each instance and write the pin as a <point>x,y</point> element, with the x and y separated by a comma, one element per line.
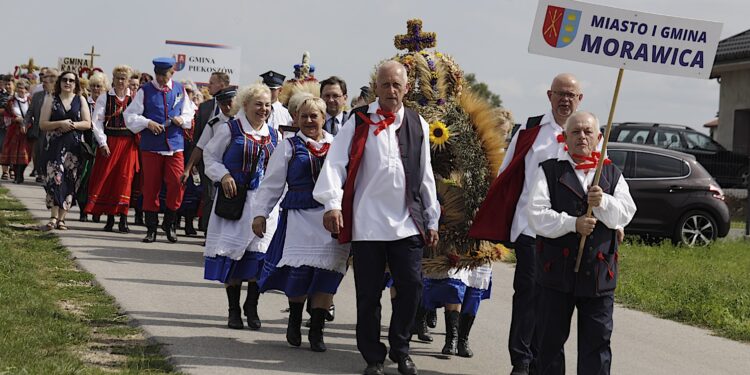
<point>64,117</point>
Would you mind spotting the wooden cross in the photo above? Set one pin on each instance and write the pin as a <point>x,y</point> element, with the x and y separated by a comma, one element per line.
<point>30,67</point>
<point>91,57</point>
<point>414,40</point>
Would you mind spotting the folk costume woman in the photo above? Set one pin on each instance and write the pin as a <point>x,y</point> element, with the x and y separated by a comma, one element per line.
<point>117,154</point>
<point>64,117</point>
<point>304,261</point>
<point>15,149</point>
<point>237,156</point>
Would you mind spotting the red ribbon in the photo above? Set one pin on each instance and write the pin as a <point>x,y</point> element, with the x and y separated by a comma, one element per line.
<point>560,138</point>
<point>318,152</point>
<point>389,118</point>
<point>592,160</point>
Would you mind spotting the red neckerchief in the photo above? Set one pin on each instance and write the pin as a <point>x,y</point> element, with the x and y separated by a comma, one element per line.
<point>318,152</point>
<point>389,118</point>
<point>589,162</point>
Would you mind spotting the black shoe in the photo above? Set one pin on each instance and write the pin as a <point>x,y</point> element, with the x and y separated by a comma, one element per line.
<point>96,218</point>
<point>431,318</point>
<point>251,306</point>
<point>520,369</point>
<point>39,179</point>
<point>82,217</point>
<point>234,320</point>
<point>293,327</point>
<point>374,369</point>
<point>122,226</point>
<point>406,366</point>
<point>331,313</point>
<point>110,223</point>
<point>150,236</point>
<point>315,335</point>
<point>451,333</point>
<point>33,173</point>
<point>189,228</point>
<point>168,226</point>
<point>465,321</point>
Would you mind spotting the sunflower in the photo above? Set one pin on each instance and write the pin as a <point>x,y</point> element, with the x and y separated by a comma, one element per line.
<point>439,134</point>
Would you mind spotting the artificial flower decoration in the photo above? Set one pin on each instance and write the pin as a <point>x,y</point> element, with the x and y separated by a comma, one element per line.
<point>439,134</point>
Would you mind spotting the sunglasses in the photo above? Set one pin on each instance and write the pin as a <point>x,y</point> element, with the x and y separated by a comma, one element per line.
<point>67,80</point>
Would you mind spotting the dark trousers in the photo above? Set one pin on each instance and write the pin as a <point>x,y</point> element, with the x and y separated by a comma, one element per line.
<point>521,340</point>
<point>594,332</point>
<point>404,258</point>
<point>207,202</point>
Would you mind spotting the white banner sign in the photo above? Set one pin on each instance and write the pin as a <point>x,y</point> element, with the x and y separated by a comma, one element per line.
<point>196,61</point>
<point>620,38</point>
<point>72,64</point>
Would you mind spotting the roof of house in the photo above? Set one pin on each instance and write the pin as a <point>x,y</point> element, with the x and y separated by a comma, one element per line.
<point>734,48</point>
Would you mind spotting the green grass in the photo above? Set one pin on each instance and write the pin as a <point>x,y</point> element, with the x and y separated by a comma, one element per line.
<point>53,318</point>
<point>705,287</point>
<point>737,224</point>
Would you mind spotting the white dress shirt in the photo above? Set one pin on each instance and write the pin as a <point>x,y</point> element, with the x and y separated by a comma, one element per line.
<point>545,147</point>
<point>97,117</point>
<point>136,122</point>
<point>380,212</point>
<point>614,212</point>
<point>208,130</point>
<point>338,122</point>
<point>279,116</point>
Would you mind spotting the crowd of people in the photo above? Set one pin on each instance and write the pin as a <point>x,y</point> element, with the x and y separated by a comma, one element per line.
<point>360,184</point>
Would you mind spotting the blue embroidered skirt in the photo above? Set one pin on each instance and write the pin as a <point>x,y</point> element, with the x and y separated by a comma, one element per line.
<point>221,268</point>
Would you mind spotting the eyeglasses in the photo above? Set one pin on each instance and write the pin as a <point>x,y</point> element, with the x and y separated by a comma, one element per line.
<point>566,94</point>
<point>332,96</point>
<point>67,80</point>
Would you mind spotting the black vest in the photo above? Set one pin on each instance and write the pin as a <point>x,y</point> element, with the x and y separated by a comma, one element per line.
<point>114,125</point>
<point>410,140</point>
<point>556,257</point>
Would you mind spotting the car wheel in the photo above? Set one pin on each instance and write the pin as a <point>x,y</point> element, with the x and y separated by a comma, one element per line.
<point>696,228</point>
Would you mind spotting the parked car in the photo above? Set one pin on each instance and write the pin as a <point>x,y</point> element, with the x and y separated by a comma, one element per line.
<point>730,169</point>
<point>676,197</point>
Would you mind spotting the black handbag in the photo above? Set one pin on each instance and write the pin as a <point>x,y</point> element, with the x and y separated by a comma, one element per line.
<point>230,208</point>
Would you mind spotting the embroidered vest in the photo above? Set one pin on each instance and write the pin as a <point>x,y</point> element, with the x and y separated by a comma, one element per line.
<point>302,172</point>
<point>114,122</point>
<point>159,107</point>
<point>246,158</point>
<point>556,257</point>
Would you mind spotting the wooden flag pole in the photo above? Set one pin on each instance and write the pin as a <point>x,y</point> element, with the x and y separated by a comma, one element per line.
<point>600,162</point>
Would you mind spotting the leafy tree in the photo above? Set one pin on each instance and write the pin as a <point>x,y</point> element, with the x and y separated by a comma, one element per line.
<point>483,90</point>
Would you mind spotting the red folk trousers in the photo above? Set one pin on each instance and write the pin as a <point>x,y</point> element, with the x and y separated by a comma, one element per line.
<point>158,169</point>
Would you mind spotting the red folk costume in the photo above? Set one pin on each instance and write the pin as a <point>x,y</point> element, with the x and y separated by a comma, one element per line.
<point>112,177</point>
<point>16,150</point>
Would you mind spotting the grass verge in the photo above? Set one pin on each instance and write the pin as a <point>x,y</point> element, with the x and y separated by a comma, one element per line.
<point>706,287</point>
<point>53,318</point>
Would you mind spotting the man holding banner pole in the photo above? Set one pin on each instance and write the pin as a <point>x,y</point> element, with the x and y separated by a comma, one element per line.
<point>562,193</point>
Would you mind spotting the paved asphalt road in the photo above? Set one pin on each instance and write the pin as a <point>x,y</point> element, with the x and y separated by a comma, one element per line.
<point>161,287</point>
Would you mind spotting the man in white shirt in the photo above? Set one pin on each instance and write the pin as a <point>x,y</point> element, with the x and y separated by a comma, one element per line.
<point>560,196</point>
<point>160,111</point>
<point>333,92</point>
<point>279,114</point>
<point>388,217</point>
<point>503,216</point>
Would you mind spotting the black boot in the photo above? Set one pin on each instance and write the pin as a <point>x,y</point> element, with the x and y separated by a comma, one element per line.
<point>234,320</point>
<point>465,321</point>
<point>110,223</point>
<point>294,325</point>
<point>251,306</point>
<point>420,325</point>
<point>451,332</point>
<point>82,217</point>
<point>315,335</point>
<point>138,217</point>
<point>189,228</point>
<point>152,221</point>
<point>20,168</point>
<point>168,225</point>
<point>431,318</point>
<point>96,218</point>
<point>122,226</point>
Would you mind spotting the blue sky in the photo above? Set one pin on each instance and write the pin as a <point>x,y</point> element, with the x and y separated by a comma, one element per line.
<point>347,38</point>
